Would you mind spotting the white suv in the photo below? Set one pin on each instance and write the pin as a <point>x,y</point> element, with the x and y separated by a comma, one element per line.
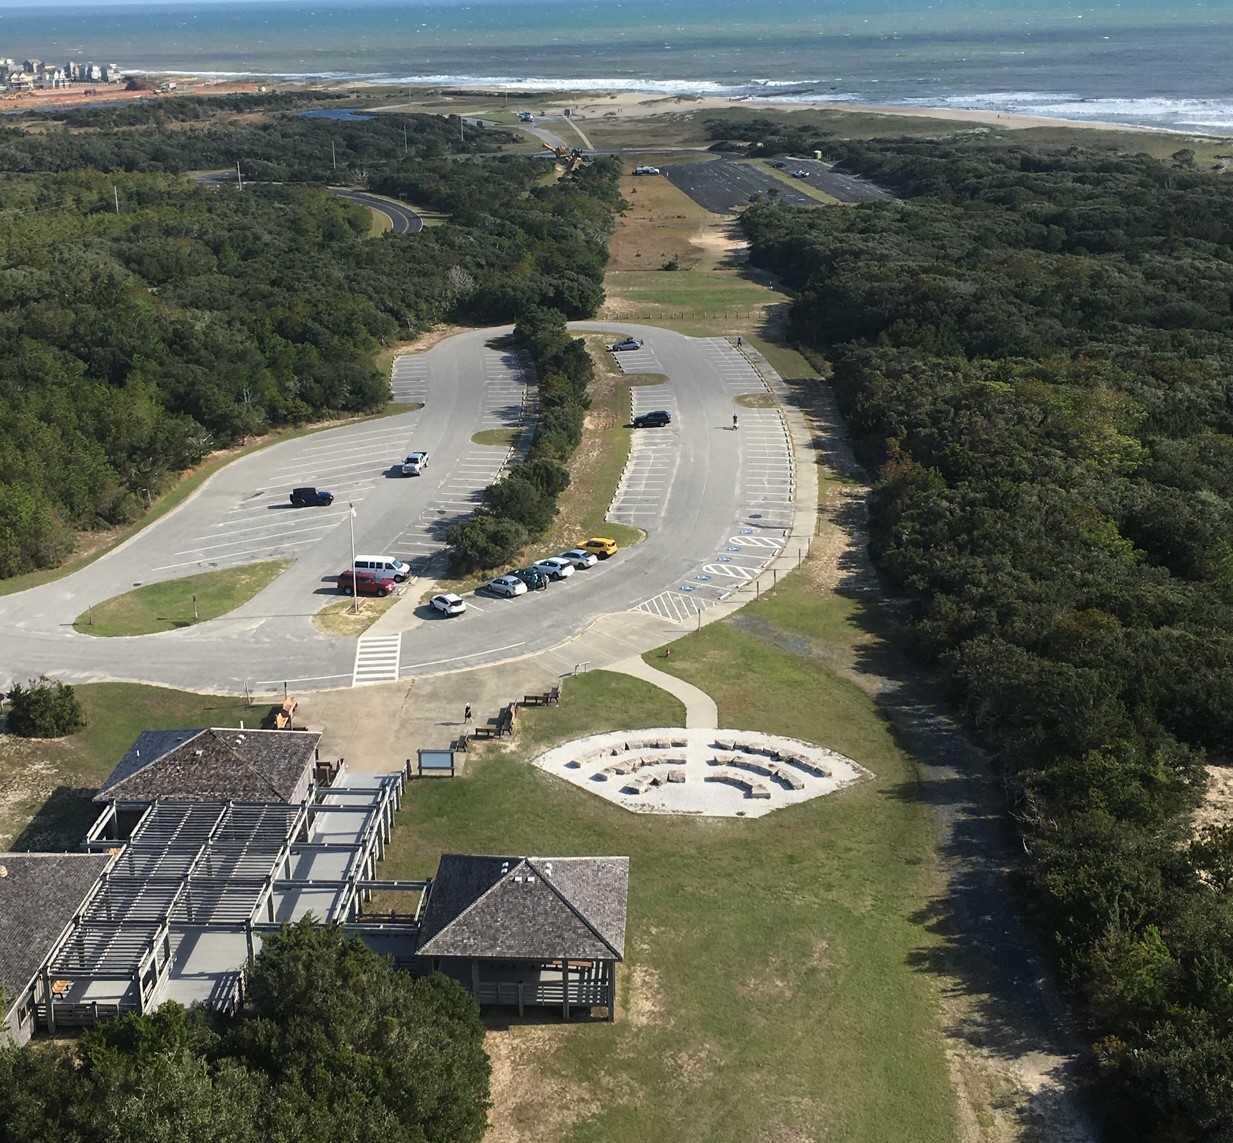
<point>555,567</point>
<point>415,463</point>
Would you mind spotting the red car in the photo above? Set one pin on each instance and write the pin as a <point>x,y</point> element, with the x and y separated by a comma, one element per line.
<point>364,582</point>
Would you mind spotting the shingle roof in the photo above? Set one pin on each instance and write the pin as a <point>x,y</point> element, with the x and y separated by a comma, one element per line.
<point>219,764</point>
<point>40,894</point>
<point>527,908</point>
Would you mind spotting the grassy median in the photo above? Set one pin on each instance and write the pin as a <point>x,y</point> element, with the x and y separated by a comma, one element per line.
<point>177,603</point>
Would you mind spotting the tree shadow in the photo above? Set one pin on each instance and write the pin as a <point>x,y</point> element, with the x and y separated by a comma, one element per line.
<point>60,823</point>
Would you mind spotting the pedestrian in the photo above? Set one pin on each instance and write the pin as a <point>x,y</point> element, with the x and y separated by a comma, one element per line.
<point>736,422</point>
<point>739,342</point>
<point>467,715</point>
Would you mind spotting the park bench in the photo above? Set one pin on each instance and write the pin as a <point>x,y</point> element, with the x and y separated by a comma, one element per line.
<point>484,732</point>
<point>505,720</point>
<point>544,698</point>
<point>282,720</point>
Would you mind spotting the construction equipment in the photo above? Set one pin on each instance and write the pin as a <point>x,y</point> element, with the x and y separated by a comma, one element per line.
<point>570,158</point>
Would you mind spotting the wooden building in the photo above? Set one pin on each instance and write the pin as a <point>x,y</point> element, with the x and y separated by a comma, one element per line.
<point>529,931</point>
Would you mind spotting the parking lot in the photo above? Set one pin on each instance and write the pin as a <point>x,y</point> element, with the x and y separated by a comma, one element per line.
<point>725,185</point>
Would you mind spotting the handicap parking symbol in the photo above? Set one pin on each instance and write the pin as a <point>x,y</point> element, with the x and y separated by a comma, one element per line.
<point>687,587</point>
<point>732,549</point>
<point>745,532</point>
<point>723,559</point>
<point>704,578</point>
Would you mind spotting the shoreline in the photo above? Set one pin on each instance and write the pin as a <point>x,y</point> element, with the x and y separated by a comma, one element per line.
<point>583,103</point>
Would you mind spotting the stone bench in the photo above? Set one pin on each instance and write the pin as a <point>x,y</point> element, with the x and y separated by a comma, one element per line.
<point>808,765</point>
<point>785,775</point>
<point>752,787</point>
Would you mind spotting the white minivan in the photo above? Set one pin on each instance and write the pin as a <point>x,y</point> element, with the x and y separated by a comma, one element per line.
<point>388,567</point>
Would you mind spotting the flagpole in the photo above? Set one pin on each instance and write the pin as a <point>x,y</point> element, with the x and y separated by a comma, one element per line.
<point>355,599</point>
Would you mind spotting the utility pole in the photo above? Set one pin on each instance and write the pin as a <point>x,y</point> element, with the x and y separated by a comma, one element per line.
<point>355,606</point>
<point>333,155</point>
<point>239,178</point>
<point>116,192</point>
<point>404,140</point>
<point>460,135</point>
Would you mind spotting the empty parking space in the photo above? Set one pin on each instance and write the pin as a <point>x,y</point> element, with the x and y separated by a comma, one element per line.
<point>508,403</point>
<point>642,495</point>
<point>732,369</point>
<point>409,379</point>
<point>641,360</point>
<point>261,524</point>
<point>725,185</point>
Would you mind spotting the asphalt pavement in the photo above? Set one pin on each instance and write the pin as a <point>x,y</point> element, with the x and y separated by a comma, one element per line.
<point>726,184</point>
<point>718,505</point>
<point>402,218</point>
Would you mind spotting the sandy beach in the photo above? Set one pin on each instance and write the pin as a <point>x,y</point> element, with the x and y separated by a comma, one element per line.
<point>635,105</point>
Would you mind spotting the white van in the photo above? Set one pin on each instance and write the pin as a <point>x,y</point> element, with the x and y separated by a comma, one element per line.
<point>388,567</point>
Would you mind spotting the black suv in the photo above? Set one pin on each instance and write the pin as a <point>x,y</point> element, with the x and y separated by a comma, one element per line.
<point>653,420</point>
<point>533,578</point>
<point>310,497</point>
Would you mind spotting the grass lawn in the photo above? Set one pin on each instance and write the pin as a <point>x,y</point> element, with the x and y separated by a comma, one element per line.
<point>342,617</point>
<point>496,438</point>
<point>767,992</point>
<point>176,603</point>
<point>46,786</point>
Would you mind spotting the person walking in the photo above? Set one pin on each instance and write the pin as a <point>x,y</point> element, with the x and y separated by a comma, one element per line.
<point>736,422</point>
<point>739,342</point>
<point>467,715</point>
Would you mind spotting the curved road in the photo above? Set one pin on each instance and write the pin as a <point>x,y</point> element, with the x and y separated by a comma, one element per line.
<point>403,219</point>
<point>715,503</point>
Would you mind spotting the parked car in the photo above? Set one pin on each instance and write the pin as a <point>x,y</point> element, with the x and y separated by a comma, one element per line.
<point>535,578</point>
<point>309,497</point>
<point>507,585</point>
<point>601,546</point>
<point>656,419</point>
<point>800,174</point>
<point>555,567</point>
<point>780,166</point>
<point>580,558</point>
<point>414,464</point>
<point>646,170</point>
<point>624,344</point>
<point>448,603</point>
<point>365,583</point>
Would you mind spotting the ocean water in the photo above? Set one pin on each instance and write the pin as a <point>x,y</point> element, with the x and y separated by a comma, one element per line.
<point>1156,64</point>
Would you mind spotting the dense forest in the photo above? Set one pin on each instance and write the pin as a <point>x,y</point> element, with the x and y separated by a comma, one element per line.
<point>146,319</point>
<point>1034,353</point>
<point>332,1043</point>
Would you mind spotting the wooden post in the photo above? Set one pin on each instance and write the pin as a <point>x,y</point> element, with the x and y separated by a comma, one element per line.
<point>565,990</point>
<point>612,977</point>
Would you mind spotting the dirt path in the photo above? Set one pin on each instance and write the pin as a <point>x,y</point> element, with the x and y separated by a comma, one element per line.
<point>1012,1058</point>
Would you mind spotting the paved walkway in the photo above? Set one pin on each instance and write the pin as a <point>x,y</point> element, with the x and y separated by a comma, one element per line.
<point>701,713</point>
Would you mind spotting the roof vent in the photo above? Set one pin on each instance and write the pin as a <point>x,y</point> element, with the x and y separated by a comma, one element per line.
<point>548,869</point>
<point>4,870</point>
<point>199,753</point>
<point>530,880</point>
<point>517,878</point>
<point>504,868</point>
<point>238,739</point>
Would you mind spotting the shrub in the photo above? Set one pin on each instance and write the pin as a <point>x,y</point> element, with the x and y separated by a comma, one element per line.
<point>44,708</point>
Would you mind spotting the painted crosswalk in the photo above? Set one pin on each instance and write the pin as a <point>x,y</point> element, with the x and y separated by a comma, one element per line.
<point>376,659</point>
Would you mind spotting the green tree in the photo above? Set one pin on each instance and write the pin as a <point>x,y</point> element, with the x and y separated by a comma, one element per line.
<point>44,708</point>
